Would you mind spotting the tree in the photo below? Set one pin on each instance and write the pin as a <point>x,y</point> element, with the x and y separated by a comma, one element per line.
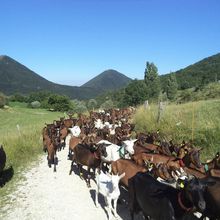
<point>152,81</point>
<point>80,107</point>
<point>107,104</point>
<point>17,97</point>
<point>92,103</point>
<point>59,102</point>
<point>135,93</point>
<point>35,104</point>
<point>39,96</point>
<point>171,87</point>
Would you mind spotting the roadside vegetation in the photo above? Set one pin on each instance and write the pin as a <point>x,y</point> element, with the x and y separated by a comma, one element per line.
<point>20,135</point>
<point>197,121</point>
<point>20,132</point>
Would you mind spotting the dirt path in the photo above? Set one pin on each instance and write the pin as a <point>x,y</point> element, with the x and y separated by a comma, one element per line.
<point>46,195</point>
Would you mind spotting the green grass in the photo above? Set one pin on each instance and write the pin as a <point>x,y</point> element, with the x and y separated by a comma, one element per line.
<point>20,135</point>
<point>197,121</point>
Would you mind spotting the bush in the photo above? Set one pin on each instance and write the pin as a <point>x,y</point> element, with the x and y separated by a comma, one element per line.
<point>107,104</point>
<point>18,98</point>
<point>59,103</point>
<point>39,96</point>
<point>80,108</point>
<point>92,104</point>
<point>35,104</point>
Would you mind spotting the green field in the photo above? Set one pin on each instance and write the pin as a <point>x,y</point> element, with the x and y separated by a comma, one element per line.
<point>197,121</point>
<point>20,132</point>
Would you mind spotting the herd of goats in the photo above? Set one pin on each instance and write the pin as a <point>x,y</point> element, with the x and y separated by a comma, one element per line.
<point>165,181</point>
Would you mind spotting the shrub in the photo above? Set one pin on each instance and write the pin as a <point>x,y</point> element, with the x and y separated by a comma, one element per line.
<point>35,104</point>
<point>59,103</point>
<point>107,104</point>
<point>18,98</point>
<point>92,103</point>
<point>80,108</point>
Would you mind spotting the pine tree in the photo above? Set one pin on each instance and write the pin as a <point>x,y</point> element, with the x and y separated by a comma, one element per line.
<point>152,81</point>
<point>171,87</point>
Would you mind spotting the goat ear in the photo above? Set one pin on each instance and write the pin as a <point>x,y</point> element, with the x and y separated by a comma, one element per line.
<point>182,170</point>
<point>173,174</point>
<point>122,175</point>
<point>134,140</point>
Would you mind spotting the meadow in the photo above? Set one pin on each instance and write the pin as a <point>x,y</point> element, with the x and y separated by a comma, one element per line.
<point>20,135</point>
<point>20,132</point>
<point>197,121</point>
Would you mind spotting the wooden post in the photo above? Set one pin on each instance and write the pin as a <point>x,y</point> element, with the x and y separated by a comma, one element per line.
<point>193,120</point>
<point>160,110</point>
<point>146,104</point>
<point>19,129</point>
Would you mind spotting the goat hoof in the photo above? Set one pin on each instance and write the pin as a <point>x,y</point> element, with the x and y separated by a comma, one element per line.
<point>116,216</point>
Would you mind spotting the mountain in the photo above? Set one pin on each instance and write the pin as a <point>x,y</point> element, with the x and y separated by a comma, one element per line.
<point>17,78</point>
<point>200,73</point>
<point>108,80</point>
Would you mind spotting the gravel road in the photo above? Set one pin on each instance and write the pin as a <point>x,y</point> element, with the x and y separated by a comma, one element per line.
<point>48,195</point>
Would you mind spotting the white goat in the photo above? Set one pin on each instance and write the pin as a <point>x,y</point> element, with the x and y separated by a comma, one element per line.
<point>75,131</point>
<point>107,185</point>
<point>112,151</point>
<point>129,146</point>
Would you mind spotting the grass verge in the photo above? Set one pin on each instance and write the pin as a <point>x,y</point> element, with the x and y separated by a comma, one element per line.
<point>197,121</point>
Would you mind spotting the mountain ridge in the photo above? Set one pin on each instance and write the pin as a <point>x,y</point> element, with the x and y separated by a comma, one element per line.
<point>197,74</point>
<point>17,78</point>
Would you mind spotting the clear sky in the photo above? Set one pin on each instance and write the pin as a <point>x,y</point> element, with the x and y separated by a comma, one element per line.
<point>71,41</point>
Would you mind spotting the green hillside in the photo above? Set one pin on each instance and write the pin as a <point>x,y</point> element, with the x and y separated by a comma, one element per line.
<point>17,78</point>
<point>198,74</point>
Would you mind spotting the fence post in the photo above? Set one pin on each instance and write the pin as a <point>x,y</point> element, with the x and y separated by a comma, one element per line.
<point>19,129</point>
<point>160,111</point>
<point>146,104</point>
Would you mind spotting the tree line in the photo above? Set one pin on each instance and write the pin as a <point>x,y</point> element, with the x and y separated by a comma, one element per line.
<point>153,88</point>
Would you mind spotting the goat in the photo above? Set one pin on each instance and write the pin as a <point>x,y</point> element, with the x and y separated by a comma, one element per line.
<point>107,185</point>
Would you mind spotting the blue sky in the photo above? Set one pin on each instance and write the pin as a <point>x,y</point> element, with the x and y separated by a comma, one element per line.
<point>71,41</point>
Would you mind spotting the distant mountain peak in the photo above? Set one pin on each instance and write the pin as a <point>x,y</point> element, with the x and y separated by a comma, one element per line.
<point>108,80</point>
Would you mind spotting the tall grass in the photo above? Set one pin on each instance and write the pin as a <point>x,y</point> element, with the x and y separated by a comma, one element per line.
<point>197,121</point>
